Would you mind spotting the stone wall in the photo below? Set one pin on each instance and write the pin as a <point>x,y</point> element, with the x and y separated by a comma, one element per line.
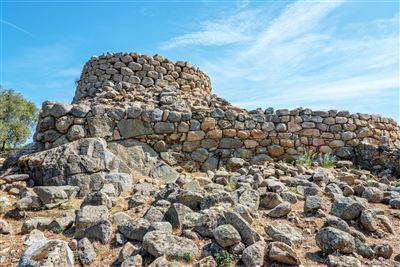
<point>176,114</point>
<point>115,73</point>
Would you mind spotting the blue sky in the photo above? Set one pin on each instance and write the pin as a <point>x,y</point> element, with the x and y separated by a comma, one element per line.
<point>281,54</point>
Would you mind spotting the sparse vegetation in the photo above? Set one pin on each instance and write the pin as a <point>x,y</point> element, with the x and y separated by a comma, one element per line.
<point>188,257</point>
<point>326,160</point>
<point>57,230</point>
<point>224,260</point>
<point>306,160</point>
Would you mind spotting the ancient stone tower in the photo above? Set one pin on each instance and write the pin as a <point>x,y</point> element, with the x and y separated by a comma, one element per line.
<point>169,106</point>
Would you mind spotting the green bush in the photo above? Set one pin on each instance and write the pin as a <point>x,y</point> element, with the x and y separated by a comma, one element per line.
<point>224,260</point>
<point>327,160</point>
<point>17,117</point>
<point>187,257</point>
<point>306,159</point>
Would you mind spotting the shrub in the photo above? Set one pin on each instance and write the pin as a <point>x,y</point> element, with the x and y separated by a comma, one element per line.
<point>187,257</point>
<point>327,160</point>
<point>58,230</point>
<point>224,259</point>
<point>306,159</point>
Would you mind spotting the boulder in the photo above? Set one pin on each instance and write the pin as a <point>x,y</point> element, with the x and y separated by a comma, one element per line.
<point>346,208</point>
<point>181,217</point>
<point>373,194</point>
<point>86,252</point>
<point>282,253</point>
<point>56,166</point>
<point>331,240</point>
<point>134,229</point>
<point>248,234</point>
<point>253,255</point>
<point>285,233</point>
<point>226,235</point>
<point>343,261</point>
<point>92,222</point>
<point>47,253</point>
<point>313,204</point>
<point>159,243</point>
<point>281,210</point>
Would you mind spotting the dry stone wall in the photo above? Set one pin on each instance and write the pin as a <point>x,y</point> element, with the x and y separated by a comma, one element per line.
<point>176,114</point>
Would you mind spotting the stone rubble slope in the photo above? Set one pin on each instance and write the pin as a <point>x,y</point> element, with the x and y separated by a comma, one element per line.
<point>275,214</point>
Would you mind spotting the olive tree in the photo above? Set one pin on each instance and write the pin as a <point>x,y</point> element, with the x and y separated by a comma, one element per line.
<point>17,117</point>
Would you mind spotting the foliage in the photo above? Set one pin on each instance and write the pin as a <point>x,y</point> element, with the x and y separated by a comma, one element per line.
<point>58,230</point>
<point>187,257</point>
<point>326,160</point>
<point>306,159</point>
<point>17,116</point>
<point>224,259</point>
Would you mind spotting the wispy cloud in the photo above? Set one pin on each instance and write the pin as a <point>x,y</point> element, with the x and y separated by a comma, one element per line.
<point>230,30</point>
<point>12,25</point>
<point>306,56</point>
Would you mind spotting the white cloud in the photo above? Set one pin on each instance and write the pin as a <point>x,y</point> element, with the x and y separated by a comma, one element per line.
<point>301,58</point>
<point>230,30</point>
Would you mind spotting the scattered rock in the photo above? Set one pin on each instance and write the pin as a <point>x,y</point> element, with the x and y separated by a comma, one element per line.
<point>282,253</point>
<point>86,251</point>
<point>159,243</point>
<point>331,240</point>
<point>226,235</point>
<point>47,253</point>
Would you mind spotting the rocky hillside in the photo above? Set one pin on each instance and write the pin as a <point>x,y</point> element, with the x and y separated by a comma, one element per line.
<point>147,168</point>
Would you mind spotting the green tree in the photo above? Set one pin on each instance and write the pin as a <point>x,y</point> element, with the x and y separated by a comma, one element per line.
<point>17,117</point>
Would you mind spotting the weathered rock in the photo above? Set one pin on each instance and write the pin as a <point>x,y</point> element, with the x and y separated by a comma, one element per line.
<point>270,200</point>
<point>52,196</point>
<point>373,194</point>
<point>159,243</point>
<point>56,166</point>
<point>346,208</point>
<point>206,224</point>
<point>395,203</point>
<point>343,261</point>
<point>226,235</point>
<point>4,227</point>
<point>251,199</point>
<point>216,198</point>
<point>367,220</point>
<point>34,236</point>
<point>248,234</point>
<point>134,229</point>
<point>313,204</point>
<point>47,253</point>
<point>97,199</point>
<point>331,240</point>
<point>337,223</point>
<point>253,255</point>
<point>181,217</point>
<point>383,250</point>
<point>92,222</point>
<point>282,253</point>
<point>285,233</point>
<point>86,252</point>
<point>41,223</point>
<point>281,210</point>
